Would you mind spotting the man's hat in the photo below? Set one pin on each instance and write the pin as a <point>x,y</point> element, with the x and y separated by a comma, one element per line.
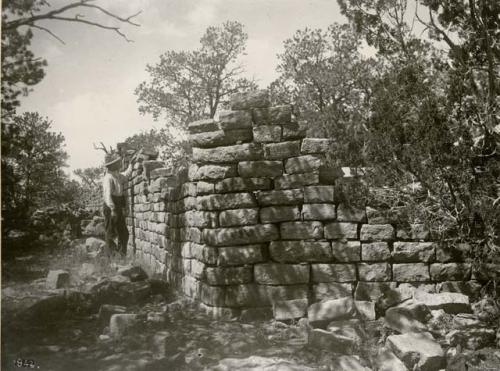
<point>111,158</point>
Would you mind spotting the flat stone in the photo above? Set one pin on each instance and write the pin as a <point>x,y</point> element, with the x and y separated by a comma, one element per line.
<point>241,235</point>
<point>220,138</point>
<point>301,230</point>
<point>257,363</point>
<point>242,184</point>
<point>471,338</point>
<point>392,297</point>
<point>230,120</point>
<point>226,201</point>
<point>414,272</point>
<point>331,290</point>
<point>202,126</point>
<point>377,232</point>
<point>316,145</point>
<point>303,164</point>
<point>237,255</point>
<point>450,302</point>
<point>416,232</point>
<point>267,133</point>
<point>250,169</point>
<point>406,252</point>
<point>210,172</point>
<point>372,290</point>
<point>319,194</point>
<point>348,363</point>
<point>300,251</point>
<point>349,251</point>
<point>282,197</point>
<point>249,99</point>
<point>336,231</point>
<point>404,319</point>
<point>375,251</point>
<point>229,218</point>
<point>386,360</point>
<point>134,273</point>
<point>366,310</point>
<point>289,309</point>
<point>107,310</point>
<point>228,275</point>
<point>418,349</point>
<point>318,211</point>
<point>374,271</point>
<point>234,153</point>
<point>333,272</point>
<point>280,151</point>
<point>450,271</point>
<point>120,324</point>
<point>276,214</point>
<point>350,214</point>
<point>57,279</point>
<point>284,274</point>
<point>331,310</point>
<point>327,340</point>
<point>288,181</point>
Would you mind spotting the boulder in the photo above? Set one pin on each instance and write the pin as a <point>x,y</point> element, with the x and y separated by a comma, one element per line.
<point>57,279</point>
<point>330,310</point>
<point>450,302</point>
<point>94,244</point>
<point>386,360</point>
<point>404,319</point>
<point>418,349</point>
<point>120,324</point>
<point>347,363</point>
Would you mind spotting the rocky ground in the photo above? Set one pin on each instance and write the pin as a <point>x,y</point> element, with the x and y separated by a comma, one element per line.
<point>69,309</point>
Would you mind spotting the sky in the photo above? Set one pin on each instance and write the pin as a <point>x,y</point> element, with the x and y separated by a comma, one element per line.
<point>88,89</point>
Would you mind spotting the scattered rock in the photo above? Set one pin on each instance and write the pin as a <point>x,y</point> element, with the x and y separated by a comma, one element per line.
<point>391,298</point>
<point>330,310</point>
<point>405,319</point>
<point>471,338</point>
<point>418,349</point>
<point>366,309</point>
<point>120,324</point>
<point>135,273</point>
<point>107,310</point>
<point>386,360</point>
<point>257,363</point>
<point>289,309</point>
<point>94,244</point>
<point>450,302</point>
<point>348,363</point>
<point>486,309</point>
<point>87,270</point>
<point>57,279</point>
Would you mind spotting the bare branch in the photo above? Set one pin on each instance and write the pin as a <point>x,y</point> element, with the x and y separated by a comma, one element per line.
<point>102,147</point>
<point>49,32</point>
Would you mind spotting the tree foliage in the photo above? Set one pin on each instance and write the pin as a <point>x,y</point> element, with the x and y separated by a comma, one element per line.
<point>189,85</point>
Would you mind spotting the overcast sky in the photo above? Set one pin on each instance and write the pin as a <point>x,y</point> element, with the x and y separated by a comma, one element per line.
<point>88,90</point>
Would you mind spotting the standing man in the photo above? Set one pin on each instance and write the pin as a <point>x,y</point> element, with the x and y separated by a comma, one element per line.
<point>115,206</point>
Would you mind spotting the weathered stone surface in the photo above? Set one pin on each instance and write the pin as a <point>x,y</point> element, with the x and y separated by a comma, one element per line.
<point>331,290</point>
<point>57,279</point>
<point>201,219</point>
<point>250,99</point>
<point>229,218</point>
<point>257,363</point>
<point>280,151</point>
<point>348,363</point>
<point>249,169</point>
<point>210,172</point>
<point>120,324</point>
<point>220,138</point>
<point>236,255</point>
<point>452,253</point>
<point>248,295</point>
<point>372,290</point>
<point>272,115</point>
<point>415,232</point>
<point>471,338</point>
<point>203,188</point>
<point>469,288</point>
<point>377,232</point>
<point>226,201</point>
<point>375,251</point>
<point>403,319</point>
<point>267,133</point>
<point>318,194</point>
<point>331,310</point>
<point>107,310</point>
<point>414,272</point>
<point>276,214</point>
<point>213,295</point>
<point>318,211</point>
<point>393,297</point>
<point>374,271</point>
<point>336,231</point>
<point>234,153</point>
<point>366,310</point>
<point>386,360</point>
<point>230,120</point>
<point>94,244</point>
<point>418,349</point>
<point>134,273</point>
<point>296,180</point>
<point>349,214</point>
<point>203,126</point>
<point>228,275</point>
<point>241,235</point>
<point>242,184</point>
<point>316,145</point>
<point>301,230</point>
<point>328,340</point>
<point>294,130</point>
<point>284,197</point>
<point>450,271</point>
<point>203,253</point>
<point>303,164</point>
<point>333,272</point>
<point>281,274</point>
<point>300,251</point>
<point>256,314</point>
<point>349,251</point>
<point>413,252</point>
<point>450,302</point>
<point>289,309</point>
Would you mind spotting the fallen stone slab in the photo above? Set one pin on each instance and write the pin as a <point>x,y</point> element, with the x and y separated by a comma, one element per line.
<point>450,302</point>
<point>348,363</point>
<point>329,310</point>
<point>57,279</point>
<point>386,360</point>
<point>471,338</point>
<point>352,329</point>
<point>366,310</point>
<point>120,324</point>
<point>403,320</point>
<point>289,309</point>
<point>418,349</point>
<point>391,298</point>
<point>339,342</point>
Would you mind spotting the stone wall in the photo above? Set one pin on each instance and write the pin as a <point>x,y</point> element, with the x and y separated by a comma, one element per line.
<point>255,220</point>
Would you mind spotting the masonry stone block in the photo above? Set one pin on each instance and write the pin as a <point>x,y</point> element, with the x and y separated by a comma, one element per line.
<point>349,251</point>
<point>377,232</point>
<point>303,164</point>
<point>331,310</point>
<point>238,255</point>
<point>450,271</point>
<point>281,197</point>
<point>241,235</point>
<point>201,219</point>
<point>272,115</point>
<point>413,252</point>
<point>375,251</point>
<point>250,169</point>
<point>230,218</point>
<point>203,126</point>
<point>331,290</point>
<point>190,234</point>
<point>234,153</point>
<point>267,133</point>
<point>318,212</point>
<point>280,151</point>
<point>336,231</point>
<point>316,145</point>
<point>289,309</point>
<point>212,295</point>
<point>374,271</point>
<point>247,295</point>
<point>296,180</point>
<point>349,214</point>
<point>318,194</point>
<point>281,274</point>
<point>294,130</point>
<point>220,138</point>
<point>414,272</point>
<point>161,172</point>
<point>276,214</point>
<point>250,99</point>
<point>333,273</point>
<point>242,184</point>
<point>300,251</point>
<point>203,253</point>
<point>230,120</point>
<point>301,230</point>
<point>228,275</point>
<point>211,172</point>
<point>226,201</point>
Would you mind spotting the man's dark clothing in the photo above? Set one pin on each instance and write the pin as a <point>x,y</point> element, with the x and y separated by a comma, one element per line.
<point>116,226</point>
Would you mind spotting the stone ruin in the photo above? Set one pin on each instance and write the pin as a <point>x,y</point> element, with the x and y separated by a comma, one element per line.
<point>255,222</point>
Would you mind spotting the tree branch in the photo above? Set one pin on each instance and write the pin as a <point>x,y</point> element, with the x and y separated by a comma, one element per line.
<point>49,32</point>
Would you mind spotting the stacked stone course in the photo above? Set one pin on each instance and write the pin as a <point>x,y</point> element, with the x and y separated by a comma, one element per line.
<point>255,220</point>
